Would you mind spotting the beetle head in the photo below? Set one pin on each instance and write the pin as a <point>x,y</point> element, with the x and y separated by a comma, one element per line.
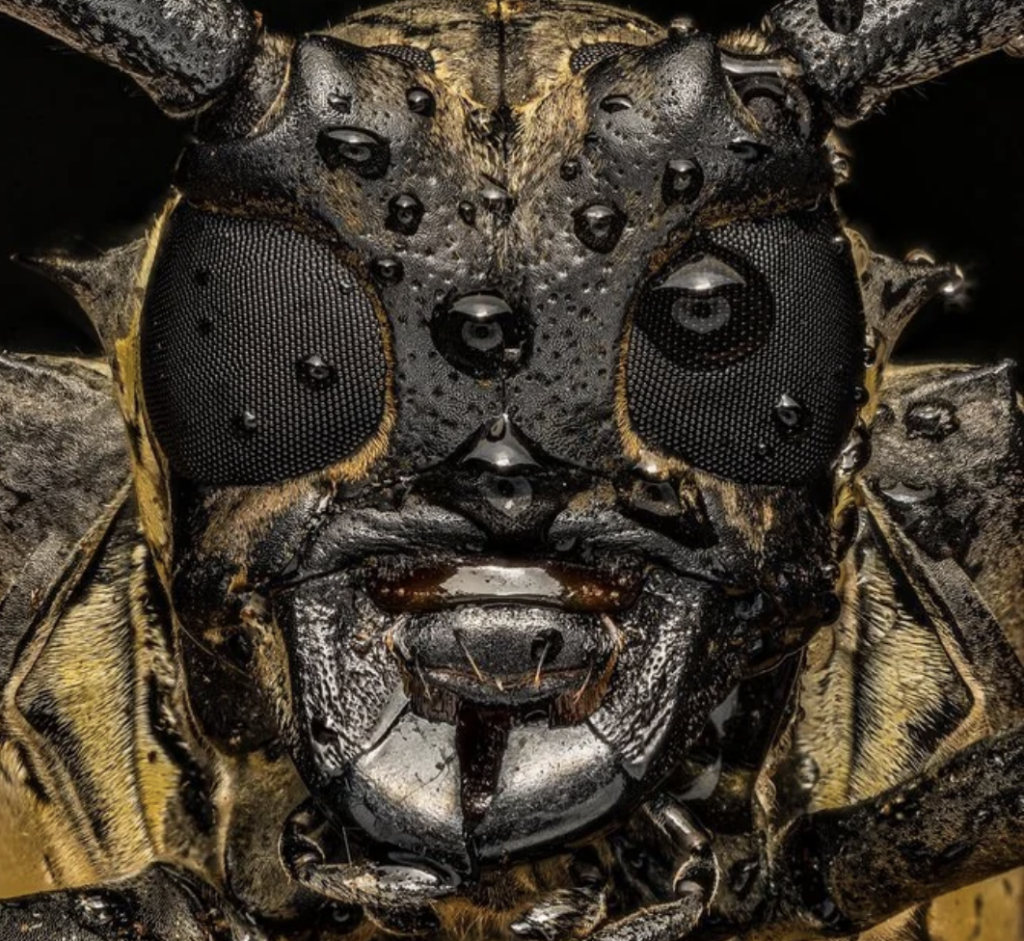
<point>497,426</point>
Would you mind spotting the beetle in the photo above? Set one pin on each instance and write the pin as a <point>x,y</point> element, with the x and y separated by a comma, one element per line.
<point>520,529</point>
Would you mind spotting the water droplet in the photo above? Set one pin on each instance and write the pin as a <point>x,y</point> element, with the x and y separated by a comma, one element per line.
<point>340,103</point>
<point>748,149</point>
<point>513,496</point>
<point>405,212</point>
<point>570,169</point>
<point>467,212</point>
<point>870,355</point>
<point>501,446</point>
<point>599,227</point>
<point>421,102</point>
<point>860,395</point>
<point>388,270</point>
<point>247,422</point>
<point>764,450</point>
<point>616,103</point>
<point>480,334</point>
<point>315,372</point>
<point>102,910</point>
<point>497,199</point>
<point>791,417</point>
<point>481,123</point>
<point>682,182</point>
<point>368,154</point>
<point>95,911</point>
<point>932,420</point>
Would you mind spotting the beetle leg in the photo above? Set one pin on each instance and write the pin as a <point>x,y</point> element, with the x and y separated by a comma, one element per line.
<point>397,897</point>
<point>567,913</point>
<point>670,921</point>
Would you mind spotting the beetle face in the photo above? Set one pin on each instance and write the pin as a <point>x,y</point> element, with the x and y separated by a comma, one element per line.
<point>501,420</point>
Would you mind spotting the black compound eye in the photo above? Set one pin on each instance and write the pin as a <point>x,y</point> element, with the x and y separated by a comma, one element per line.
<point>708,312</point>
<point>263,357</point>
<point>744,355</point>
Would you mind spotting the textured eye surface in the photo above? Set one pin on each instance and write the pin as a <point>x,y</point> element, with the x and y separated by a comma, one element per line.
<point>263,357</point>
<point>745,351</point>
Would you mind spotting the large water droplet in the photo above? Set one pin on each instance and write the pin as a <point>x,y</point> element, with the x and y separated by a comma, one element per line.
<point>316,372</point>
<point>421,102</point>
<point>599,227</point>
<point>388,270</point>
<point>500,446</point>
<point>935,420</point>
<point>368,154</point>
<point>616,103</point>
<point>682,182</point>
<point>405,212</point>
<point>481,335</point>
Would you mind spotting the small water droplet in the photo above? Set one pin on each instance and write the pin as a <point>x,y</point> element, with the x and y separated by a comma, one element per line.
<point>855,454</point>
<point>247,422</point>
<point>791,417</point>
<point>682,182</point>
<point>467,212</point>
<point>906,494</point>
<point>748,149</point>
<point>860,395</point>
<point>764,450</point>
<point>870,355</point>
<point>405,212</point>
<point>616,103</point>
<point>340,103</point>
<point>497,199</point>
<point>316,372</point>
<point>421,102</point>
<point>599,227</point>
<point>570,169</point>
<point>388,270</point>
<point>935,420</point>
<point>102,910</point>
<point>368,154</point>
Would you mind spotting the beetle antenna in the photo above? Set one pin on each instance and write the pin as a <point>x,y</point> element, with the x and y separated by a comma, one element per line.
<point>856,53</point>
<point>102,285</point>
<point>185,55</point>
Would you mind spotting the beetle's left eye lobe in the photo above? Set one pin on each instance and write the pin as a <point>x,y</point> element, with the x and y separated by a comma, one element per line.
<point>707,313</point>
<point>263,357</point>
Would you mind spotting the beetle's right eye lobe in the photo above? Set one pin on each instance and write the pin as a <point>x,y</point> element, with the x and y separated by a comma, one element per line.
<point>263,357</point>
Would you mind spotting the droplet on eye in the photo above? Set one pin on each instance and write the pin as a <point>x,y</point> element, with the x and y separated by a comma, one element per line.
<point>703,274</point>
<point>790,416</point>
<point>316,373</point>
<point>247,423</point>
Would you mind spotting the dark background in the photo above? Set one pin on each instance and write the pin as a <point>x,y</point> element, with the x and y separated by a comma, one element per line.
<point>85,158</point>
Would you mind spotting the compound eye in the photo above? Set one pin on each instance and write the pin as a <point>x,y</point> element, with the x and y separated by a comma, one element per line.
<point>744,353</point>
<point>707,313</point>
<point>263,355</point>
